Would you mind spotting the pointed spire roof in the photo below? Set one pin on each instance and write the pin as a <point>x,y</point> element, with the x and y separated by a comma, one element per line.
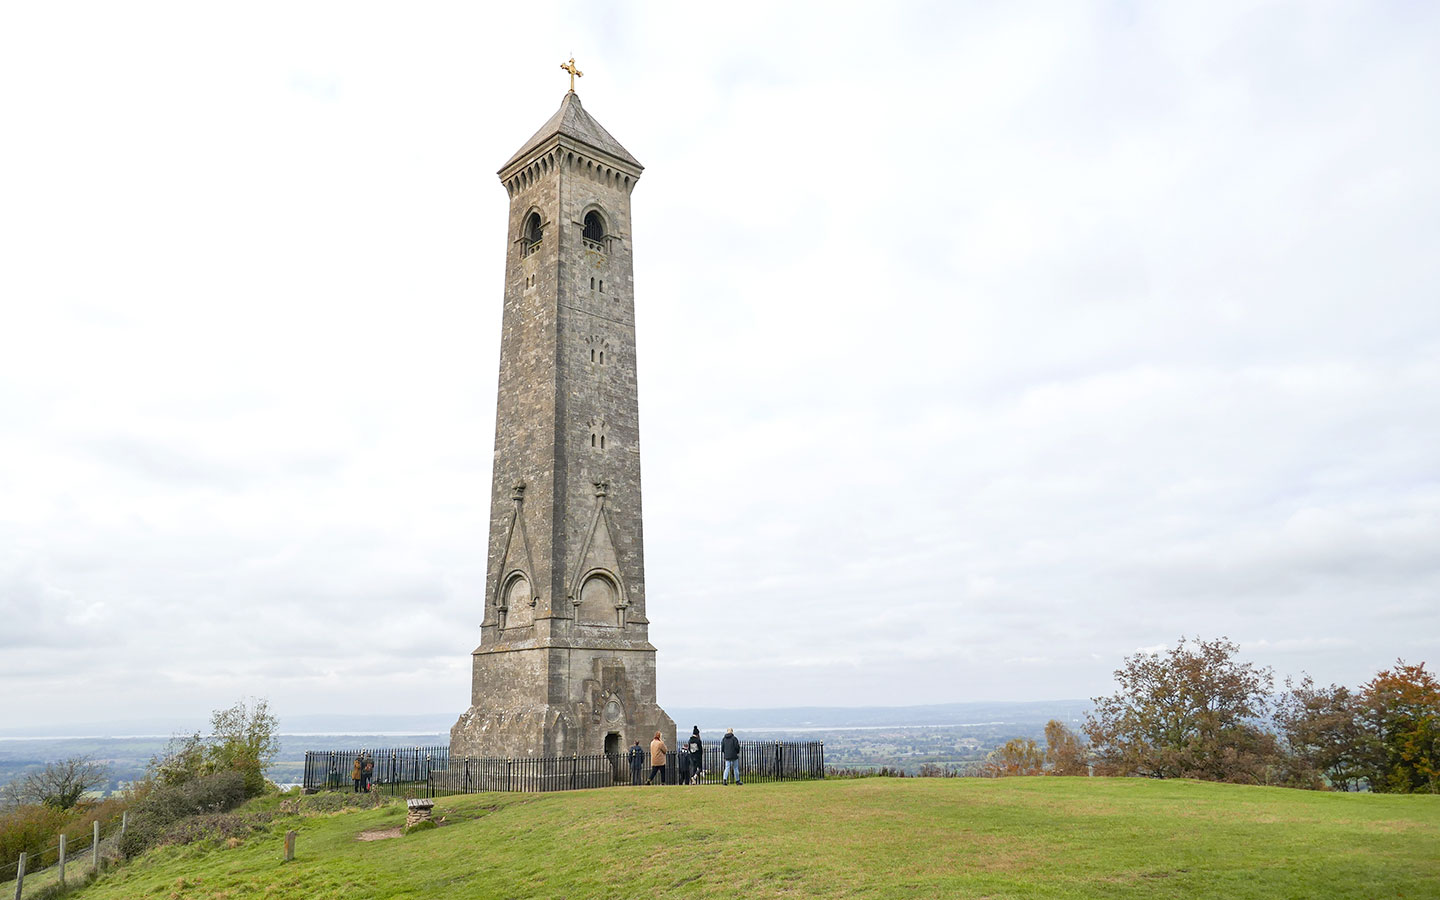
<point>572,121</point>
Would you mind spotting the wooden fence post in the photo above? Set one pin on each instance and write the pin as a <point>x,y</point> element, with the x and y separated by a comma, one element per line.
<point>61,862</point>
<point>289,846</point>
<point>124,822</point>
<point>20,878</point>
<point>95,848</point>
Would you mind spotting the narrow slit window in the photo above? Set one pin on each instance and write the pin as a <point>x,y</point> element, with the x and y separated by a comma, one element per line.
<point>592,356</point>
<point>592,284</point>
<point>602,442</point>
<point>602,286</point>
<point>592,440</point>
<point>602,357</point>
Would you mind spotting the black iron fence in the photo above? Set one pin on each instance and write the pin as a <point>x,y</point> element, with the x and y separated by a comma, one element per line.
<point>392,770</point>
<point>430,771</point>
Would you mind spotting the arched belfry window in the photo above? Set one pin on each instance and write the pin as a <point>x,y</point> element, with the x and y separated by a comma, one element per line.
<point>594,233</point>
<point>531,234</point>
<point>594,226</point>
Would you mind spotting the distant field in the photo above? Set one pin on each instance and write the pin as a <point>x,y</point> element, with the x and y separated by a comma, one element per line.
<point>870,838</point>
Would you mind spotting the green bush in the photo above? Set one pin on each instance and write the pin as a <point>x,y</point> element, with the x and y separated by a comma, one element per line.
<point>165,804</point>
<point>215,826</point>
<point>334,801</point>
<point>242,739</point>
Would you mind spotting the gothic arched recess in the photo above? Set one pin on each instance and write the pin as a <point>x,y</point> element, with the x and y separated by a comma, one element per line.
<point>599,600</point>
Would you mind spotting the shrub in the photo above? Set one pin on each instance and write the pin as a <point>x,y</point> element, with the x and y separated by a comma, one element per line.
<point>29,829</point>
<point>242,739</point>
<point>334,801</point>
<point>215,826</point>
<point>165,804</point>
<point>1019,756</point>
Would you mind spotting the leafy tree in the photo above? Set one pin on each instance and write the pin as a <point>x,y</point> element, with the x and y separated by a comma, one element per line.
<point>183,759</point>
<point>1018,756</point>
<point>60,785</point>
<point>1326,737</point>
<point>1187,713</point>
<point>1064,753</point>
<point>242,739</point>
<point>1401,710</point>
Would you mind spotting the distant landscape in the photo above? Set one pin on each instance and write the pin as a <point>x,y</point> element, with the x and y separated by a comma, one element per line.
<point>864,737</point>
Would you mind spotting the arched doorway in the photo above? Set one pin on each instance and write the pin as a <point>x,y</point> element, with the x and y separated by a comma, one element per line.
<point>615,752</point>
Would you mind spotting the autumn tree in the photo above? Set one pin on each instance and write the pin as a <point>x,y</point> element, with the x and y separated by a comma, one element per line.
<point>1190,712</point>
<point>1064,752</point>
<point>1324,732</point>
<point>1018,756</point>
<point>1401,712</point>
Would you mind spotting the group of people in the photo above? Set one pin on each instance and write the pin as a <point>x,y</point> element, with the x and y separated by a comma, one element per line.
<point>361,771</point>
<point>690,760</point>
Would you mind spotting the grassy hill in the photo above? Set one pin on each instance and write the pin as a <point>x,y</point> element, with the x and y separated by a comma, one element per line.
<point>872,838</point>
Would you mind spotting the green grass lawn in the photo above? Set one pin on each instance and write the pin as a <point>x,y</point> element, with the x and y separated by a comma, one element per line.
<point>931,838</point>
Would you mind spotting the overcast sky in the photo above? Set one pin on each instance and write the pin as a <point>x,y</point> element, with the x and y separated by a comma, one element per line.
<point>980,344</point>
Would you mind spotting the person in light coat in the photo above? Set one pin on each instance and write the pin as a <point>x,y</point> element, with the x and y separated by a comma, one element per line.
<point>357,772</point>
<point>657,759</point>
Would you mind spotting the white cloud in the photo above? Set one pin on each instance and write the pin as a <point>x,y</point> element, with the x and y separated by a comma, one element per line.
<point>978,345</point>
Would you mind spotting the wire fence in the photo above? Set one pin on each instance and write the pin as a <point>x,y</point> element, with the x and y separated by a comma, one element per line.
<point>430,771</point>
<point>69,861</point>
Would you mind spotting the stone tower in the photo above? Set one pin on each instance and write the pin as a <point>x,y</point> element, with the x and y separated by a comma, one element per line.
<point>565,664</point>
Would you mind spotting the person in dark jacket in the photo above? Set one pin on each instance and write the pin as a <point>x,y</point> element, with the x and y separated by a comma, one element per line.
<point>730,752</point>
<point>682,767</point>
<point>697,756</point>
<point>637,762</point>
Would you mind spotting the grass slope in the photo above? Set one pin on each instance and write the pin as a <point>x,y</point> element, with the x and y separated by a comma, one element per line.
<point>1020,837</point>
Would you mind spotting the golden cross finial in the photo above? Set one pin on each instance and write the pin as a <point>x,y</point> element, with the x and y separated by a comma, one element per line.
<point>570,67</point>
